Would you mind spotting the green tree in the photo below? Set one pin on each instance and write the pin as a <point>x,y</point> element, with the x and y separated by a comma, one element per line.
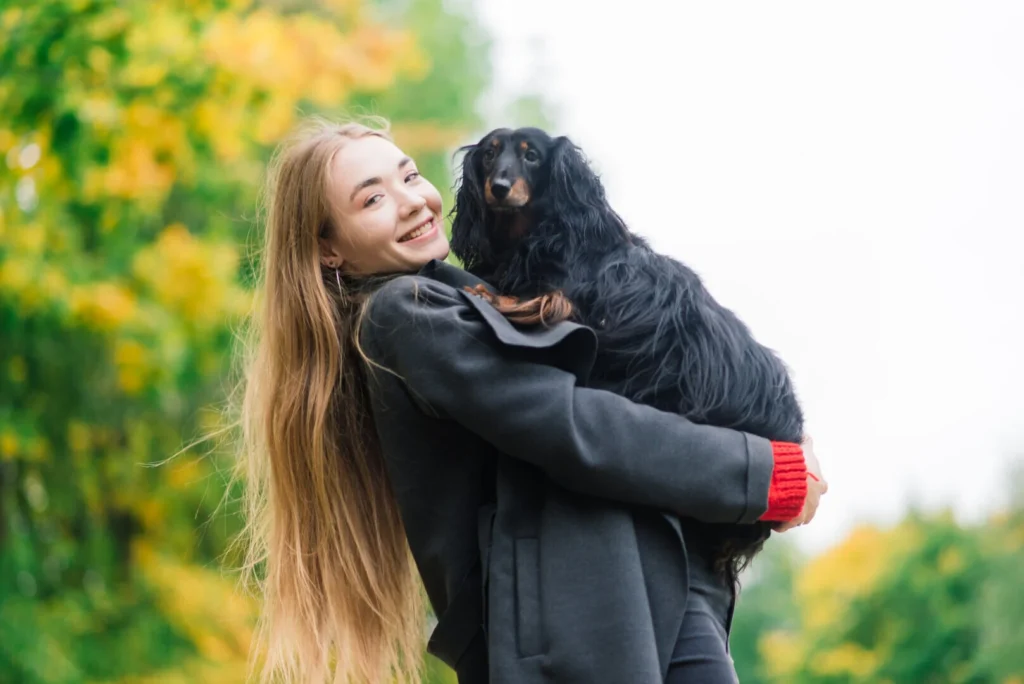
<point>133,137</point>
<point>928,600</point>
<point>765,603</point>
<point>1001,611</point>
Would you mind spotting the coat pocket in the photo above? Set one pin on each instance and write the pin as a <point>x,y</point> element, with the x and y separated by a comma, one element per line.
<point>528,608</point>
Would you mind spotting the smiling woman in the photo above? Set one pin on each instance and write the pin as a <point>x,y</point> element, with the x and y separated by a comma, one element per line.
<point>338,584</point>
<point>385,222</point>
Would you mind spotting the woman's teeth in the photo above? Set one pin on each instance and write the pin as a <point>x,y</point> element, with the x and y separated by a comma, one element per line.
<point>416,233</point>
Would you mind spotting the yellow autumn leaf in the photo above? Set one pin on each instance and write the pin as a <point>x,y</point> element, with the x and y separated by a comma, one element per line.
<point>100,60</point>
<point>201,603</point>
<point>951,561</point>
<point>8,444</point>
<point>849,661</point>
<point>79,437</point>
<point>15,274</point>
<point>191,277</point>
<point>183,472</point>
<point>848,570</point>
<point>782,653</point>
<point>103,306</point>
<point>30,238</point>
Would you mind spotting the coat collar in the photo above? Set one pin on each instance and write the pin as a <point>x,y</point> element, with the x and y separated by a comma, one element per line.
<point>452,276</point>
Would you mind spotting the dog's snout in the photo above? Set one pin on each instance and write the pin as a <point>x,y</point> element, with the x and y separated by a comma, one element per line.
<point>500,187</point>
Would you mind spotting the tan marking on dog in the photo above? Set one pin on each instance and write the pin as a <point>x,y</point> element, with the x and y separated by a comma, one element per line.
<point>548,309</point>
<point>488,195</point>
<point>524,146</point>
<point>519,195</point>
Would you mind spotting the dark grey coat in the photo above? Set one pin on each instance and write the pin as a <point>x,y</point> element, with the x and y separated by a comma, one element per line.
<point>555,501</point>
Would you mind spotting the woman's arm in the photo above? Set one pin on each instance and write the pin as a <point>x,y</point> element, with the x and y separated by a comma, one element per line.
<point>588,440</point>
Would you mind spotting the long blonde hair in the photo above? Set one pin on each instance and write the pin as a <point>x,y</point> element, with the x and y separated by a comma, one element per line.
<point>341,598</point>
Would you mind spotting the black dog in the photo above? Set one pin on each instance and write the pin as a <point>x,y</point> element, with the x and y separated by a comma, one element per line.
<point>531,218</point>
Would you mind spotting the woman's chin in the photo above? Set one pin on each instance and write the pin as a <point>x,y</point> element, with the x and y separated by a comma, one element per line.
<point>443,254</point>
<point>428,253</point>
<point>438,248</point>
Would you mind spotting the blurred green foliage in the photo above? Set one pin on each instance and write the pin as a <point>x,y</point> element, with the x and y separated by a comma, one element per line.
<point>133,137</point>
<point>927,600</point>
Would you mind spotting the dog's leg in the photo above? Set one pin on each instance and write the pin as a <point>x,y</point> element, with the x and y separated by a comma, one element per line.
<point>547,309</point>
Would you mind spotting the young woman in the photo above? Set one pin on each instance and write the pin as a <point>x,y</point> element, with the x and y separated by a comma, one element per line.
<point>386,412</point>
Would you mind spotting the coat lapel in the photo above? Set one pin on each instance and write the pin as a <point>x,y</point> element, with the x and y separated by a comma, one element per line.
<point>573,346</point>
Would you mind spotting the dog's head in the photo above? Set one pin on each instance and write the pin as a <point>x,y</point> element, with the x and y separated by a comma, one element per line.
<point>513,166</point>
<point>512,181</point>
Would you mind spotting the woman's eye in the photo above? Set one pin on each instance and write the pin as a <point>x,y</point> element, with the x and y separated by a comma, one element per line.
<point>412,176</point>
<point>371,201</point>
<point>531,156</point>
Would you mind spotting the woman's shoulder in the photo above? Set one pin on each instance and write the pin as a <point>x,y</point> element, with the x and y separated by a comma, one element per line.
<point>406,307</point>
<point>409,294</point>
<point>437,285</point>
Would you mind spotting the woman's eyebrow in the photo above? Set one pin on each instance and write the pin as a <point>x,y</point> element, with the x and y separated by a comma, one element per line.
<point>375,180</point>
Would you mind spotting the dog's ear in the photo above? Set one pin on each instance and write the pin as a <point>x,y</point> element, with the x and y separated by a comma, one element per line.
<point>469,224</point>
<point>572,182</point>
<point>576,197</point>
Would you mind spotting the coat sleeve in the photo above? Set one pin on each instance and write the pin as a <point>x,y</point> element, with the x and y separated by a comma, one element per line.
<point>458,367</point>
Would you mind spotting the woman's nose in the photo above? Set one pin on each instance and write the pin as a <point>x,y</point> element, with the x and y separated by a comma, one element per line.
<point>413,203</point>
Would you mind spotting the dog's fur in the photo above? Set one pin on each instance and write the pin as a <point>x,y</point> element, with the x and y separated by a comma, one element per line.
<point>531,219</point>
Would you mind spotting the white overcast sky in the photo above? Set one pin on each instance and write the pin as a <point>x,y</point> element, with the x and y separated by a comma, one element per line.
<point>849,178</point>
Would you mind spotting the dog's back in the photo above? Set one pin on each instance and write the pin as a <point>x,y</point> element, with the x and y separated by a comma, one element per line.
<point>666,342</point>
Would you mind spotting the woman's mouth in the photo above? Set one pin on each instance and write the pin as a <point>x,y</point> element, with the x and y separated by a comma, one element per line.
<point>425,229</point>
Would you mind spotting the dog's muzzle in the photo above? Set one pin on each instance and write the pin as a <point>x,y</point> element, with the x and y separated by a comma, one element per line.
<point>503,194</point>
<point>500,188</point>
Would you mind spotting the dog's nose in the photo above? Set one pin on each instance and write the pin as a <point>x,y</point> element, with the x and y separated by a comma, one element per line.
<point>500,187</point>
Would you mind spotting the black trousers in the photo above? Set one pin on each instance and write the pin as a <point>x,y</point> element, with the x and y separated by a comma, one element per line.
<point>701,654</point>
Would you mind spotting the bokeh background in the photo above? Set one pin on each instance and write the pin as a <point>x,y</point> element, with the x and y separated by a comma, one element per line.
<point>848,177</point>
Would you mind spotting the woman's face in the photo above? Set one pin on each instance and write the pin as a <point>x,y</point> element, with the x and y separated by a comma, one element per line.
<point>387,216</point>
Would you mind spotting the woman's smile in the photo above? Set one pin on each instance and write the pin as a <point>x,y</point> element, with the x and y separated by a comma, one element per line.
<point>422,232</point>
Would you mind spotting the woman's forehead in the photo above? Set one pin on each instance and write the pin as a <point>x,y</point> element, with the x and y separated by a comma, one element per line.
<point>366,157</point>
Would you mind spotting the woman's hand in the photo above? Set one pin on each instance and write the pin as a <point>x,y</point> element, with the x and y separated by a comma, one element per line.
<point>816,486</point>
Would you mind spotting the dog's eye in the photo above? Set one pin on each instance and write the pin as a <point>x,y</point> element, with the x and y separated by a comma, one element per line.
<point>531,156</point>
<point>489,154</point>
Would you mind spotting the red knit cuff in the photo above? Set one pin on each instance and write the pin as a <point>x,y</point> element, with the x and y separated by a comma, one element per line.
<point>788,489</point>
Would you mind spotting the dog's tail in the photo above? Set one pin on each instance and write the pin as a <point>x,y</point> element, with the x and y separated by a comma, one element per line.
<point>548,309</point>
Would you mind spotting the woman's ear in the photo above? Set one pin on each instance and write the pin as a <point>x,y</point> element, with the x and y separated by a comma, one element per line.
<point>330,257</point>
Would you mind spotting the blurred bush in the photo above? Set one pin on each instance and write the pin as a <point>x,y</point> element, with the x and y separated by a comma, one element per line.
<point>927,600</point>
<point>133,136</point>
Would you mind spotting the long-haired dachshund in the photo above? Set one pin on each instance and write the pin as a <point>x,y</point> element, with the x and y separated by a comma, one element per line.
<point>532,220</point>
